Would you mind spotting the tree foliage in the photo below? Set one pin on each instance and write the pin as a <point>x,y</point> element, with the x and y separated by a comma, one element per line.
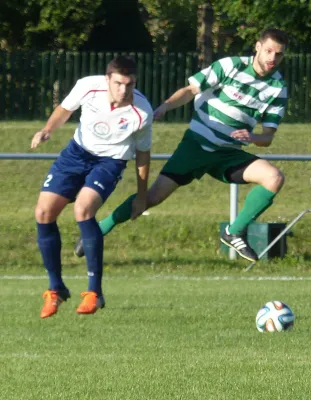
<point>172,24</point>
<point>62,24</point>
<point>253,16</point>
<point>46,24</point>
<point>121,30</point>
<point>237,23</point>
<point>58,24</point>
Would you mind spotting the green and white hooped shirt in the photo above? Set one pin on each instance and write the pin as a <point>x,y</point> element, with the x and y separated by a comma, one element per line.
<point>234,97</point>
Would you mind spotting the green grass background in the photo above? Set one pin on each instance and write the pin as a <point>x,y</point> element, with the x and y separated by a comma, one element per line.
<point>169,331</point>
<point>181,233</point>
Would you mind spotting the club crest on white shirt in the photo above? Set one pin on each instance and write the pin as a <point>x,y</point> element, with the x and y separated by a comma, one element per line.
<point>101,129</point>
<point>123,124</point>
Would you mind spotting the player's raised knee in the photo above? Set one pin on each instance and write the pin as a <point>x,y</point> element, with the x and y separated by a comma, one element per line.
<point>278,179</point>
<point>274,180</point>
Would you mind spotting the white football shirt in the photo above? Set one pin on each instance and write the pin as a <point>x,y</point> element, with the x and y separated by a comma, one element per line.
<point>108,132</point>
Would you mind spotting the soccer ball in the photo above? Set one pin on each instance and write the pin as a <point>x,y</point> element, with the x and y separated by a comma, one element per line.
<point>275,316</point>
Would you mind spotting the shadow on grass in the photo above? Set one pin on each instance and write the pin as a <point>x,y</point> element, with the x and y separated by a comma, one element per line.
<point>177,262</point>
<point>133,308</point>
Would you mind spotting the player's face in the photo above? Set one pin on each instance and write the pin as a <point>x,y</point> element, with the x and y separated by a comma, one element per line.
<point>121,88</point>
<point>269,55</point>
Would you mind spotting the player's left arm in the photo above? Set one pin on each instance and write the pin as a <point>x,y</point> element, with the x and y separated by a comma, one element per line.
<point>271,119</point>
<point>261,140</point>
<point>265,138</point>
<point>270,122</point>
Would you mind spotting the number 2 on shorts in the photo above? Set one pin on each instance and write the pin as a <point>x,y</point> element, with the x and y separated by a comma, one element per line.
<point>48,179</point>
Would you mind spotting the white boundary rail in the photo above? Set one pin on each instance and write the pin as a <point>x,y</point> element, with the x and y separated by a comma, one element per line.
<point>234,193</point>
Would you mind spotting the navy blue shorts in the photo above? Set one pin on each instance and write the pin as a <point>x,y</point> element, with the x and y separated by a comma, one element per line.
<point>76,168</point>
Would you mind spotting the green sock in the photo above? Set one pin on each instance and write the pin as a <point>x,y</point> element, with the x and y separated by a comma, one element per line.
<point>256,202</point>
<point>119,215</point>
<point>107,224</point>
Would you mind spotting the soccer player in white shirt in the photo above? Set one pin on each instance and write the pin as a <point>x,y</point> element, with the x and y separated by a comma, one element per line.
<point>230,97</point>
<point>115,125</point>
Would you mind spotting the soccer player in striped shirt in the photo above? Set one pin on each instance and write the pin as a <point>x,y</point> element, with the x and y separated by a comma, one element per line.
<point>115,123</point>
<point>230,98</point>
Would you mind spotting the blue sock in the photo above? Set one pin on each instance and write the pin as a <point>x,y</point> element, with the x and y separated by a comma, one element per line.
<point>93,248</point>
<point>50,246</point>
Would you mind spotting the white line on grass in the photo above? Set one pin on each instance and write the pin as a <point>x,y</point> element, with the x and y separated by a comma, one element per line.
<point>232,278</point>
<point>169,277</point>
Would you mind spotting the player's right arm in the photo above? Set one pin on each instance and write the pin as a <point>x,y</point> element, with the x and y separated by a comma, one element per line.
<point>59,116</point>
<point>62,113</point>
<point>198,83</point>
<point>179,98</point>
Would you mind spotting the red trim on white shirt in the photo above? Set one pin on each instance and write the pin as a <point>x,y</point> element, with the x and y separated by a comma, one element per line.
<point>139,116</point>
<point>94,90</point>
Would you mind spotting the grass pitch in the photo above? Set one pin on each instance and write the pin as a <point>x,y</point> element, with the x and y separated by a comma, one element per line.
<point>160,337</point>
<point>180,316</point>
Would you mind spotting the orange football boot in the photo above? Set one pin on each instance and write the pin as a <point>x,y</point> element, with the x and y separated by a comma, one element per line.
<point>52,300</point>
<point>91,303</point>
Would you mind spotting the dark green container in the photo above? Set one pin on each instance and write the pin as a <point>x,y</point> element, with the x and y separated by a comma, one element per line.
<point>259,236</point>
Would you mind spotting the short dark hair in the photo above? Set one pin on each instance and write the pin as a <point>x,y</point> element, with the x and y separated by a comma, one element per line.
<point>275,34</point>
<point>122,65</point>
